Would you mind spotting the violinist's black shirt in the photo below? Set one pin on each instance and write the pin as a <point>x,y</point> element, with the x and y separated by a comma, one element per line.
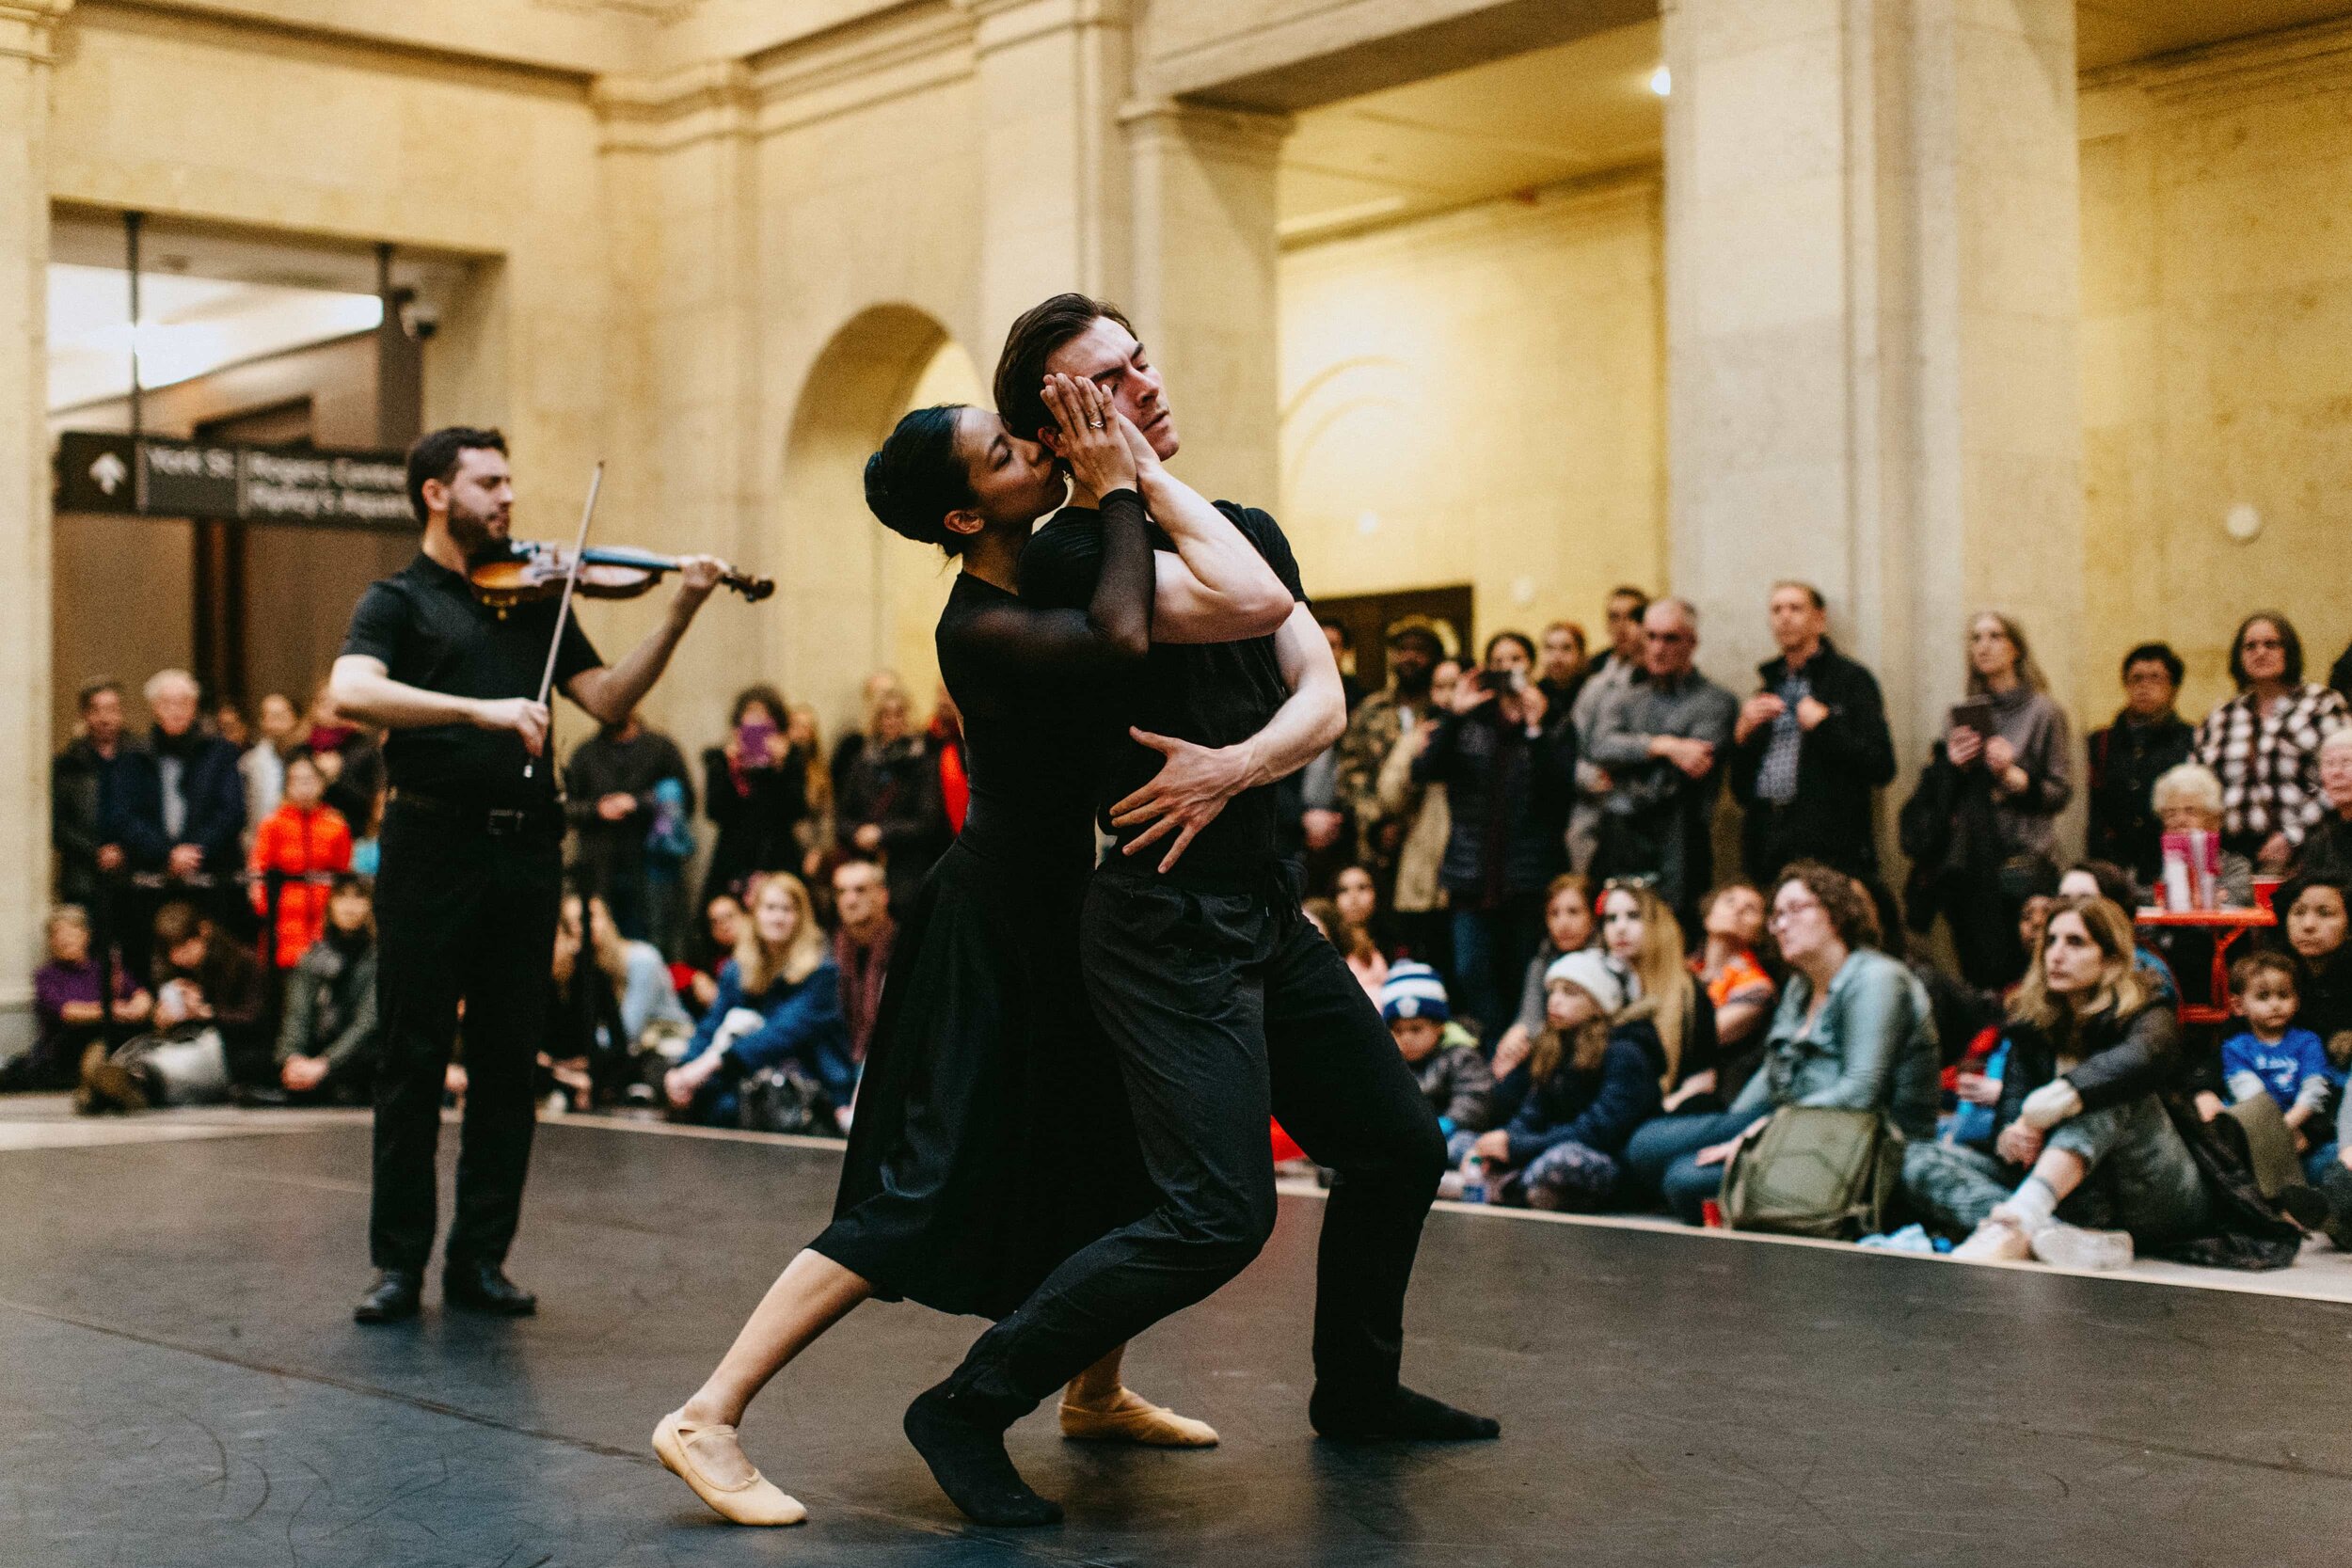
<point>430,631</point>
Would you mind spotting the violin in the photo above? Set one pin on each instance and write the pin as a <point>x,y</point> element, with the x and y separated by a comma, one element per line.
<point>537,572</point>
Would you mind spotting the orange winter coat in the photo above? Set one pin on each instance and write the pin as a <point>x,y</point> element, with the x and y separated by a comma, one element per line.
<point>298,843</point>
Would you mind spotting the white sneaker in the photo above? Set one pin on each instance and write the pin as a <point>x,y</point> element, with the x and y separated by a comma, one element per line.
<point>1450,1187</point>
<point>2070,1246</point>
<point>1996,1240</point>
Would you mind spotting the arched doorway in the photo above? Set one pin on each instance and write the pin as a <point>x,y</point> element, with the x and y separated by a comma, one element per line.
<point>857,597</point>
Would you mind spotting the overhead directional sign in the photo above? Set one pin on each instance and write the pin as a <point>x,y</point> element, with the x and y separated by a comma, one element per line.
<point>153,477</point>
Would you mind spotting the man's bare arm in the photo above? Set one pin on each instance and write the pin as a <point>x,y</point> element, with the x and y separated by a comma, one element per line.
<point>1216,588</point>
<point>361,688</point>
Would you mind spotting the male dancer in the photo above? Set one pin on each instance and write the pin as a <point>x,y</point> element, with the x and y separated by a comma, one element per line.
<point>1222,1002</point>
<point>472,861</point>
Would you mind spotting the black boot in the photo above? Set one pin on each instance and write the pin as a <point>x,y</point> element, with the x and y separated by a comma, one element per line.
<point>964,1447</point>
<point>484,1288</point>
<point>392,1298</point>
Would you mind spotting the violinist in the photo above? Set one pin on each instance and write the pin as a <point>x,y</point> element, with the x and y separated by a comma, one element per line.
<point>472,858</point>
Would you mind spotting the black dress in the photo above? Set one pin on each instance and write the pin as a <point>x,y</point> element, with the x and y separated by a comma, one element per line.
<point>991,1137</point>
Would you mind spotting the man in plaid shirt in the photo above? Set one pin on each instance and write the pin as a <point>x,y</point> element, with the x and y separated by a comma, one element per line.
<point>2263,743</point>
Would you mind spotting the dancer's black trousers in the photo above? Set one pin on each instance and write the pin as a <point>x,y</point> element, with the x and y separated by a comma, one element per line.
<point>1224,1006</point>
<point>463,914</point>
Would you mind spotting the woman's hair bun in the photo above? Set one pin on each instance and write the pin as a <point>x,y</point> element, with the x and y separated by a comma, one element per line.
<point>917,478</point>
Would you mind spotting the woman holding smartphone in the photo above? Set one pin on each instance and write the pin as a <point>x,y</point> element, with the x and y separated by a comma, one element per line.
<point>754,792</point>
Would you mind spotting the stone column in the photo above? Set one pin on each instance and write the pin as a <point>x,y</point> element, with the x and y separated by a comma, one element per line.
<point>1872,250</point>
<point>1204,296</point>
<point>25,30</point>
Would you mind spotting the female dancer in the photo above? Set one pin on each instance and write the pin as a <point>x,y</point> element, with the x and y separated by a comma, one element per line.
<point>991,1137</point>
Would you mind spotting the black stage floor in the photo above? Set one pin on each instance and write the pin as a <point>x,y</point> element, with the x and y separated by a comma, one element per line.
<point>180,1384</point>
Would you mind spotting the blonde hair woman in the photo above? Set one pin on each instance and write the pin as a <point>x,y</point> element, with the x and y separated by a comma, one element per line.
<point>1646,943</point>
<point>779,1001</point>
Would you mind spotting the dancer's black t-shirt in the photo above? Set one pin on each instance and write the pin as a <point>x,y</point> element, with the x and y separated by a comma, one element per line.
<point>1210,693</point>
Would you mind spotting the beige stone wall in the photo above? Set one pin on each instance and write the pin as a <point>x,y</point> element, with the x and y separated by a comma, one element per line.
<point>1478,397</point>
<point>2218,354</point>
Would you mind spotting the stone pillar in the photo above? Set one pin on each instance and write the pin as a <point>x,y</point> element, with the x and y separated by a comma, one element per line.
<point>25,30</point>
<point>1872,250</point>
<point>1204,296</point>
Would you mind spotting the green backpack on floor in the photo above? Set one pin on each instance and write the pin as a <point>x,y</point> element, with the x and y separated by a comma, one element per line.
<point>1813,1171</point>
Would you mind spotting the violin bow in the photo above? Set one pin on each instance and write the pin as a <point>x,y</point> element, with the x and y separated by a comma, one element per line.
<point>563,605</point>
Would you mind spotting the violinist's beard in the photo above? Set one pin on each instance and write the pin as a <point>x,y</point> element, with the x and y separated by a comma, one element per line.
<point>474,537</point>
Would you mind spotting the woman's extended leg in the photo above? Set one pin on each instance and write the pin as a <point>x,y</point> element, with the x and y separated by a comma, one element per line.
<point>697,1441</point>
<point>1099,1407</point>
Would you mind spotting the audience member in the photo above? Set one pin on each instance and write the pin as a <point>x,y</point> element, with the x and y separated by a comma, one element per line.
<point>2187,799</point>
<point>1508,764</point>
<point>263,763</point>
<point>609,785</point>
<point>2313,911</point>
<point>1417,893</point>
<point>1592,1082</point>
<point>326,1042</point>
<point>296,852</point>
<point>814,831</point>
<point>352,762</point>
<point>583,1059</point>
<point>755,793</point>
<point>2106,879</point>
<point>669,856</point>
<point>1606,684</point>
<point>1374,729</point>
<point>2327,846</point>
<point>2148,739</point>
<point>861,947</point>
<point>1853,1031</point>
<point>179,809</point>
<point>1568,927</point>
<point>227,721</point>
<point>1364,958</point>
<point>877,688</point>
<point>68,1018</point>
<point>2080,1126</point>
<point>2263,743</point>
<point>778,1007</point>
<point>2271,1056</point>
<point>83,782</point>
<point>208,1025</point>
<point>1810,748</point>
<point>888,798</point>
<point>1444,1059</point>
<point>1560,665</point>
<point>1643,944</point>
<point>1986,812</point>
<point>1664,745</point>
<point>1351,689</point>
<point>713,945</point>
<point>1739,987</point>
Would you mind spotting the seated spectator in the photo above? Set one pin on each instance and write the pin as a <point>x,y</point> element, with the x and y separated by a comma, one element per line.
<point>2148,739</point>
<point>327,1043</point>
<point>778,1007</point>
<point>1357,899</point>
<point>297,851</point>
<point>755,793</point>
<point>1739,987</point>
<point>2263,743</point>
<point>1591,1083</point>
<point>209,1022</point>
<point>2327,849</point>
<point>2313,914</point>
<point>1645,943</point>
<point>2270,1056</point>
<point>862,947</point>
<point>1854,1030</point>
<point>67,1018</point>
<point>1568,927</point>
<point>2188,801</point>
<point>2080,1125</point>
<point>1364,958</point>
<point>1444,1056</point>
<point>888,793</point>
<point>2107,880</point>
<point>722,930</point>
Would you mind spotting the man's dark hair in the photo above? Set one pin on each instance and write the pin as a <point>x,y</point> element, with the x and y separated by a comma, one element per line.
<point>2287,635</point>
<point>1810,591</point>
<point>94,690</point>
<point>436,454</point>
<point>1626,591</point>
<point>2156,653</point>
<point>1020,384</point>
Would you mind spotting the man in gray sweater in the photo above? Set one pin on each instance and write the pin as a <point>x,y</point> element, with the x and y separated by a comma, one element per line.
<point>1665,748</point>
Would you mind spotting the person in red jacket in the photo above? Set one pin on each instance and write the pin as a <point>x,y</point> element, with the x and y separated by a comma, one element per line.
<point>301,837</point>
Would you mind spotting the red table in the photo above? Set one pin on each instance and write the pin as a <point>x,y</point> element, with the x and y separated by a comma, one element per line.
<point>2227,925</point>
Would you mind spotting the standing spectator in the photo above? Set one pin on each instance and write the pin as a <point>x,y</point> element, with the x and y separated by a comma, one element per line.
<point>67,1017</point>
<point>609,785</point>
<point>2327,847</point>
<point>1373,728</point>
<point>263,763</point>
<point>862,947</point>
<point>2148,739</point>
<point>82,781</point>
<point>296,849</point>
<point>1417,898</point>
<point>755,793</point>
<point>1356,898</point>
<point>1561,669</point>
<point>1508,764</point>
<point>178,808</point>
<point>326,1042</point>
<point>1665,745</point>
<point>1605,686</point>
<point>1982,831</point>
<point>945,736</point>
<point>1809,749</point>
<point>1855,1031</point>
<point>1364,958</point>
<point>878,689</point>
<point>889,799</point>
<point>227,721</point>
<point>1351,688</point>
<point>2265,742</point>
<point>814,831</point>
